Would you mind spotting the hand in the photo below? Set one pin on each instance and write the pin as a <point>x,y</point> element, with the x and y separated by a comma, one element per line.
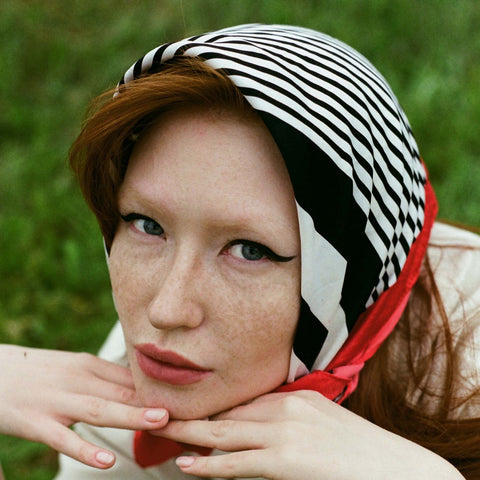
<point>43,392</point>
<point>286,436</point>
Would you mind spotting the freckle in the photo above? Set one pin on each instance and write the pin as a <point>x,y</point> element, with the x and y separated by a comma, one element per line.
<point>25,354</point>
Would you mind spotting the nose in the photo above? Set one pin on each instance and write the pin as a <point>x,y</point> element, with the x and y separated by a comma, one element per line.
<point>177,301</point>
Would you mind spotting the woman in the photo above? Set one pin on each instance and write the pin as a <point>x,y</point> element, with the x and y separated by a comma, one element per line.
<point>266,215</point>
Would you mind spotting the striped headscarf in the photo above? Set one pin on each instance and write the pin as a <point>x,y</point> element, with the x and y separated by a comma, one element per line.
<point>365,206</point>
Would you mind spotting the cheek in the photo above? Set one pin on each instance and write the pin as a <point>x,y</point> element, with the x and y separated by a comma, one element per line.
<point>256,342</point>
<point>128,278</point>
<point>248,319</point>
<point>263,320</point>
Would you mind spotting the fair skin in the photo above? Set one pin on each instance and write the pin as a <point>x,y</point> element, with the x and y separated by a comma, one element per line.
<point>185,272</point>
<point>43,392</point>
<point>303,435</point>
<point>182,278</point>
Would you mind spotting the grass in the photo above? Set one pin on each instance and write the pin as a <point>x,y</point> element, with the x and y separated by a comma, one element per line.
<point>56,56</point>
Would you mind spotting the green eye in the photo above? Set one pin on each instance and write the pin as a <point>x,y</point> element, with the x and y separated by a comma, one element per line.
<point>248,252</point>
<point>254,252</point>
<point>149,226</point>
<point>143,224</point>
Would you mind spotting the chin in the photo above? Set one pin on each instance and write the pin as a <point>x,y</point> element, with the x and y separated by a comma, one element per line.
<point>181,403</point>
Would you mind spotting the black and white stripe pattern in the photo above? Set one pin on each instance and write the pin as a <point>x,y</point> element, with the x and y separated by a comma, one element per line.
<point>354,164</point>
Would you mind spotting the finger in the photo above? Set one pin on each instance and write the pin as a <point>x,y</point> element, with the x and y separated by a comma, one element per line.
<point>105,413</point>
<point>274,407</point>
<point>66,441</point>
<point>107,390</point>
<point>98,366</point>
<point>116,374</point>
<point>226,435</point>
<point>246,464</point>
<point>91,385</point>
<point>257,412</point>
<point>108,370</point>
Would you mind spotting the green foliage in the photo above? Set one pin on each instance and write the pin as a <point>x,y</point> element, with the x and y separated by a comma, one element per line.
<point>56,55</point>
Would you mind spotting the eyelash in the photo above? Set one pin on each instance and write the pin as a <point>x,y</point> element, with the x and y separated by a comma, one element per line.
<point>131,217</point>
<point>265,251</point>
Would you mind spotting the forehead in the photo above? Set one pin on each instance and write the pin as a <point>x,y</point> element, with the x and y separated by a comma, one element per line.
<point>212,158</point>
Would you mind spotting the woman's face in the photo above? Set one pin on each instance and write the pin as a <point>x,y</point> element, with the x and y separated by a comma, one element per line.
<point>205,265</point>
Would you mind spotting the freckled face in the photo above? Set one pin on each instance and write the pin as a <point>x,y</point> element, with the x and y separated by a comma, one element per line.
<point>201,264</point>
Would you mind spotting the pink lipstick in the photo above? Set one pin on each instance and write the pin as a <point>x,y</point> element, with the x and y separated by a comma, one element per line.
<point>167,366</point>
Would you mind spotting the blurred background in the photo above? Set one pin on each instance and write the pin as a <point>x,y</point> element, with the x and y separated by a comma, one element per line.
<point>55,56</point>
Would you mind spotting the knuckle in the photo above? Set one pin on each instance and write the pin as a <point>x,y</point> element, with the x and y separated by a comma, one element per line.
<point>85,358</point>
<point>84,452</point>
<point>94,409</point>
<point>125,395</point>
<point>229,467</point>
<point>292,404</point>
<point>57,440</point>
<point>220,429</point>
<point>225,466</point>
<point>311,395</point>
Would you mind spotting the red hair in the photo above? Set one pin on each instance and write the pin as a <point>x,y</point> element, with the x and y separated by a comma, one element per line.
<point>99,156</point>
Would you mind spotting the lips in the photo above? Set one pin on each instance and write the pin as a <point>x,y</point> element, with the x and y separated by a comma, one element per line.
<point>167,366</point>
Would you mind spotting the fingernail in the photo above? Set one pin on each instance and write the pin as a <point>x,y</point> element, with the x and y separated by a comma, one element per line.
<point>184,461</point>
<point>105,458</point>
<point>154,415</point>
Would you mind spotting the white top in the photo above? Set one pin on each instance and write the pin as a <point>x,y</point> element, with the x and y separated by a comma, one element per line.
<point>457,274</point>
